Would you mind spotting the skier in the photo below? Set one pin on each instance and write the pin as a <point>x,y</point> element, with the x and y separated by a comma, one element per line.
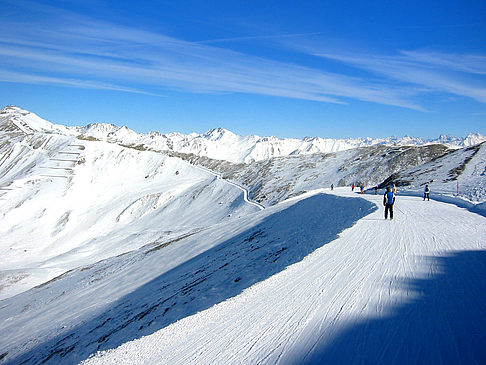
<point>388,201</point>
<point>352,187</point>
<point>332,186</point>
<point>427,192</point>
<point>394,189</point>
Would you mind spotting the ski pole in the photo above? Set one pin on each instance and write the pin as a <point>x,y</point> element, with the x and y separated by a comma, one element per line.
<point>399,209</point>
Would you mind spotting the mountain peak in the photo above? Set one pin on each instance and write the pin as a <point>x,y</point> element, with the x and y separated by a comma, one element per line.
<point>14,111</point>
<point>10,109</point>
<point>29,122</point>
<point>217,134</point>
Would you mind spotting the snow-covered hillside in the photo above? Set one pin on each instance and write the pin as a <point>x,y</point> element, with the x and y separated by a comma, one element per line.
<point>460,174</point>
<point>68,202</point>
<point>159,254</point>
<point>316,279</point>
<point>276,179</point>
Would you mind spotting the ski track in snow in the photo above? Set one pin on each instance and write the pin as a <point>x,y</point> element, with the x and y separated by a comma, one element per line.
<point>407,291</point>
<point>242,188</point>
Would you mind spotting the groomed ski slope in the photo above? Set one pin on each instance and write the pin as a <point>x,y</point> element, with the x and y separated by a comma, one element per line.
<point>407,291</point>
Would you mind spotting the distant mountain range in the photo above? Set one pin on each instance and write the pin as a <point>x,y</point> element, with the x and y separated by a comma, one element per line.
<point>222,144</point>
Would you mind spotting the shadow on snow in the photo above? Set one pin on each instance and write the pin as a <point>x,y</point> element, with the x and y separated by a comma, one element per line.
<point>445,323</point>
<point>222,272</point>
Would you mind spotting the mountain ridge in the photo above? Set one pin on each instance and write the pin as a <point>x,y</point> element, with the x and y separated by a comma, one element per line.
<point>222,144</point>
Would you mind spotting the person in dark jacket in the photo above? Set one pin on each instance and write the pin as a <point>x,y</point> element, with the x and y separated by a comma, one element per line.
<point>388,201</point>
<point>427,192</point>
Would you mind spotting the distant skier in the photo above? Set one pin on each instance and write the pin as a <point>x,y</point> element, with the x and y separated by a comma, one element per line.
<point>361,189</point>
<point>394,189</point>
<point>427,192</point>
<point>352,187</point>
<point>332,186</point>
<point>388,201</point>
<point>376,189</point>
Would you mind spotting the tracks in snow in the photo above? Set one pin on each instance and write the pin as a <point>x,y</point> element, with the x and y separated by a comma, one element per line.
<point>406,291</point>
<point>242,188</point>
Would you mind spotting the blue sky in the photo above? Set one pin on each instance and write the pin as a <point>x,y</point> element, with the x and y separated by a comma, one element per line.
<point>334,69</point>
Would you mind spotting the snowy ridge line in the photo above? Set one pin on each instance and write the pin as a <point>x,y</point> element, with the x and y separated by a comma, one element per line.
<point>222,144</point>
<point>245,190</point>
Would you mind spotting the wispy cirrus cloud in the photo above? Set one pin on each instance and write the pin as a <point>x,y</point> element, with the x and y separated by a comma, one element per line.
<point>79,51</point>
<point>469,63</point>
<point>456,74</point>
<point>26,78</point>
<point>260,37</point>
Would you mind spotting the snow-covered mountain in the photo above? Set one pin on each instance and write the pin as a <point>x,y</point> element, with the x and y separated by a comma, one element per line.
<point>222,144</point>
<point>163,254</point>
<point>78,191</point>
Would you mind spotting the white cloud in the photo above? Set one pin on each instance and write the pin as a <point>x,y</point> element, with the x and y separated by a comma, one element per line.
<point>460,75</point>
<point>261,37</point>
<point>474,64</point>
<point>79,51</point>
<point>26,78</point>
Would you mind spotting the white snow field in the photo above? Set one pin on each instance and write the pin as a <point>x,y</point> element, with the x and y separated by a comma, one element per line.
<point>70,202</point>
<point>407,291</point>
<point>317,279</point>
<point>88,222</point>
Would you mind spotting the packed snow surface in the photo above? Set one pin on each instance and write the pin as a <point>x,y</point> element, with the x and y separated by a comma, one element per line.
<point>406,291</point>
<point>322,278</point>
